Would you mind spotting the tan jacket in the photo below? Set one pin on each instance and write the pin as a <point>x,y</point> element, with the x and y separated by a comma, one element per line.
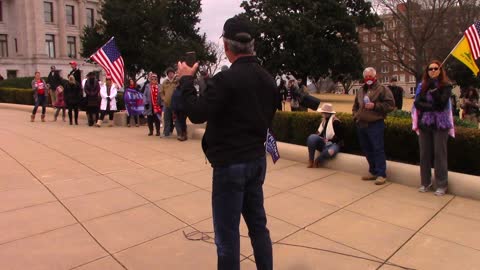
<point>381,96</point>
<point>167,90</point>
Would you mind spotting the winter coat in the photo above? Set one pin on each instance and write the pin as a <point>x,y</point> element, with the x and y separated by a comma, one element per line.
<point>35,88</point>
<point>60,102</point>
<point>105,97</point>
<point>168,87</point>
<point>54,79</point>
<point>73,94</point>
<point>92,93</point>
<point>147,100</point>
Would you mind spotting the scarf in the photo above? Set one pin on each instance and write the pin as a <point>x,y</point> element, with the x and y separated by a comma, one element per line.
<point>440,120</point>
<point>330,133</point>
<point>154,94</point>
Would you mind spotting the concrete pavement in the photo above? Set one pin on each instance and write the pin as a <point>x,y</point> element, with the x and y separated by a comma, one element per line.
<point>75,197</point>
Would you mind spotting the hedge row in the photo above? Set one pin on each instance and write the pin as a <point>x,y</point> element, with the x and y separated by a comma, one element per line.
<point>25,96</point>
<point>401,143</point>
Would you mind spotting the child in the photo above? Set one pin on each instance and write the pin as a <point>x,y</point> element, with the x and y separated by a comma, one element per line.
<point>59,103</point>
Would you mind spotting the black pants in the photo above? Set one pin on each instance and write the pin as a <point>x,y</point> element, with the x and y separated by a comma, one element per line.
<point>73,107</point>
<point>57,112</point>
<point>110,115</point>
<point>153,119</point>
<point>135,118</point>
<point>92,115</point>
<point>181,123</point>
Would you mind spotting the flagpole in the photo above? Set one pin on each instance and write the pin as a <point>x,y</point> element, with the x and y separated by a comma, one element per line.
<point>453,50</point>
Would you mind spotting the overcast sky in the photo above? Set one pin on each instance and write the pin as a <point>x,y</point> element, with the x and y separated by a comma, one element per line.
<point>214,14</point>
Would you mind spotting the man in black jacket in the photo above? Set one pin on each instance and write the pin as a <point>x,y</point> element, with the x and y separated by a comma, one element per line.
<point>238,106</point>
<point>397,92</point>
<point>53,80</point>
<point>75,72</point>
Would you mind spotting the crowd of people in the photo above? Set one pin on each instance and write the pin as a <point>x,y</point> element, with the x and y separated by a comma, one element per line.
<point>432,120</point>
<point>100,99</point>
<point>234,138</point>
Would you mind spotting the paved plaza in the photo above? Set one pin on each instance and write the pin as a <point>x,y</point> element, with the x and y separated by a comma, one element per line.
<point>76,197</point>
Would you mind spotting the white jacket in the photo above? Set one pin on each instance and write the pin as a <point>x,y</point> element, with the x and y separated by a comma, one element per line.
<point>113,95</point>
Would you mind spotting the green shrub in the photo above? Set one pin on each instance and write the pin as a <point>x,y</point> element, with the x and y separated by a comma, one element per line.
<point>16,95</point>
<point>23,82</point>
<point>458,122</point>
<point>401,143</point>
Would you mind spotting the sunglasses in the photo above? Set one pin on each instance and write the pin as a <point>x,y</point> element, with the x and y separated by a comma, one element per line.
<point>433,69</point>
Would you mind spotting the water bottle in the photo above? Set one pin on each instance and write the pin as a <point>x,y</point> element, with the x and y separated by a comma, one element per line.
<point>366,99</point>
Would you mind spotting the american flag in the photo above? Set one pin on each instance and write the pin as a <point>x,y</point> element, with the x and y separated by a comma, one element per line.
<point>473,37</point>
<point>110,59</point>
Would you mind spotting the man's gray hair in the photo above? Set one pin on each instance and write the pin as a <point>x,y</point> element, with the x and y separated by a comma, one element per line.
<point>240,47</point>
<point>370,70</point>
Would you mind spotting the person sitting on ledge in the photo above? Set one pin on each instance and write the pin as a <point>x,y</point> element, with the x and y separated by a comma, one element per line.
<point>328,138</point>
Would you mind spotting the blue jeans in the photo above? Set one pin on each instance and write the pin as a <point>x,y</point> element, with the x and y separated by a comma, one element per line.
<point>237,189</point>
<point>41,100</point>
<point>167,120</point>
<point>316,143</point>
<point>372,143</point>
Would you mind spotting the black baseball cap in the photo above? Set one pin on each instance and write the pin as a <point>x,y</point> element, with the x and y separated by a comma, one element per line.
<point>238,29</point>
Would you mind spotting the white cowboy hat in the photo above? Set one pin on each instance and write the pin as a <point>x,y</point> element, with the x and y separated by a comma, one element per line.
<point>326,108</point>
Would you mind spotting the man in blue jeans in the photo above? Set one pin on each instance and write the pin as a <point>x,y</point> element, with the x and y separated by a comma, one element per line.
<point>238,105</point>
<point>371,105</point>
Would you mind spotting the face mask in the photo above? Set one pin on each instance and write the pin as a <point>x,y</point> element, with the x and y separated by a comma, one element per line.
<point>369,81</point>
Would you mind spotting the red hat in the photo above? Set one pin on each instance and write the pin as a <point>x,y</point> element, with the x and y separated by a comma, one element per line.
<point>108,77</point>
<point>73,63</point>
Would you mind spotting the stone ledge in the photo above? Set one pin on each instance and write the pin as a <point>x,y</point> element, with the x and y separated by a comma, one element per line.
<point>460,184</point>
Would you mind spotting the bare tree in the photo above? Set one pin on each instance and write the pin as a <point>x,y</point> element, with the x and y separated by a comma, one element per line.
<point>219,53</point>
<point>414,32</point>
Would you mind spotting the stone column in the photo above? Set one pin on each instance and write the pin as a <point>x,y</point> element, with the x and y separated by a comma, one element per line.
<point>62,36</point>
<point>82,14</point>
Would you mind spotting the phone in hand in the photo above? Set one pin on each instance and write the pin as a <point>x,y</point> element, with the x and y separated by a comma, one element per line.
<point>190,58</point>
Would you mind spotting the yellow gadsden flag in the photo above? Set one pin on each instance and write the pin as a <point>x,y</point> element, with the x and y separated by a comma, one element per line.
<point>463,53</point>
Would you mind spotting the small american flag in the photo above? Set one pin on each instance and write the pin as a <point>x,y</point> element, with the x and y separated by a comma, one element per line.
<point>111,61</point>
<point>473,37</point>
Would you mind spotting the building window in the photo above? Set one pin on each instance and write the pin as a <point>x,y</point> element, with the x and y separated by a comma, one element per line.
<point>1,11</point>
<point>50,45</point>
<point>90,17</point>
<point>384,69</point>
<point>70,12</point>
<point>365,38</point>
<point>373,38</point>
<point>395,68</point>
<point>373,49</point>
<point>71,47</point>
<point>16,45</point>
<point>401,78</point>
<point>412,78</point>
<point>48,11</point>
<point>3,46</point>
<point>11,74</point>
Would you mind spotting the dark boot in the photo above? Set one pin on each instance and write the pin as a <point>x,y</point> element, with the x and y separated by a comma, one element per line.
<point>150,128</point>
